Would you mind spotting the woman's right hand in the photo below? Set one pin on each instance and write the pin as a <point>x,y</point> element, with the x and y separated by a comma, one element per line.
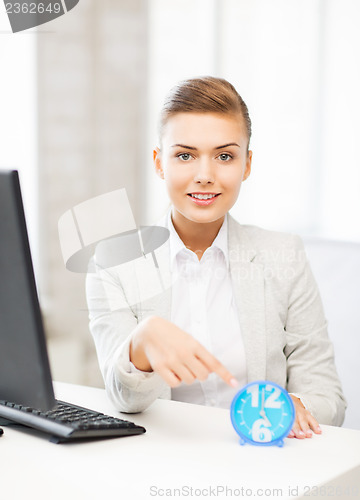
<point>160,346</point>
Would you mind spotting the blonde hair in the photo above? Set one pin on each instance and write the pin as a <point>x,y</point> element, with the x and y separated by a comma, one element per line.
<point>204,95</point>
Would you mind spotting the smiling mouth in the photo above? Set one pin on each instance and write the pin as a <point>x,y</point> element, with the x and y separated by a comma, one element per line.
<point>205,196</point>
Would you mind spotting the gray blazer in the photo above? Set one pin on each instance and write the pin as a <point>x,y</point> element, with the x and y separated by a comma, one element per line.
<point>281,317</point>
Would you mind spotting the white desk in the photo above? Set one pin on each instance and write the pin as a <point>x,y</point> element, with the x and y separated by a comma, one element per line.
<point>185,446</point>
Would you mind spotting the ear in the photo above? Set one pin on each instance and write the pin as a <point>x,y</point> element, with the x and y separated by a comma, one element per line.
<point>248,165</point>
<point>158,162</point>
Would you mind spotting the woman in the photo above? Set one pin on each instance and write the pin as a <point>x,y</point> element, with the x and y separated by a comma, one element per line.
<point>243,304</point>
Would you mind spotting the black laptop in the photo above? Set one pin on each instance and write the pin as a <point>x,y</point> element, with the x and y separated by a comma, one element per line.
<point>26,390</point>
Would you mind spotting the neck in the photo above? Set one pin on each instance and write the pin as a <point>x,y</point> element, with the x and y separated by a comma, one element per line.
<point>195,235</point>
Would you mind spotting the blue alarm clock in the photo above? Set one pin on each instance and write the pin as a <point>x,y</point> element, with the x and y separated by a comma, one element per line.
<point>262,413</point>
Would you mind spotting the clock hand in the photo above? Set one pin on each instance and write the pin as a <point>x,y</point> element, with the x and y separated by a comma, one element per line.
<point>262,411</point>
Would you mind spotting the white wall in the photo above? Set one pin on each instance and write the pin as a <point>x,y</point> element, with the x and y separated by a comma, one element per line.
<point>18,118</point>
<point>295,63</point>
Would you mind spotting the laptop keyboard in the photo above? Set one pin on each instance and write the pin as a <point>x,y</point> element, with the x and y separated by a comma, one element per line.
<point>68,422</point>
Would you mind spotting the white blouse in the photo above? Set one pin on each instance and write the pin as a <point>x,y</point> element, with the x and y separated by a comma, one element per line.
<point>203,305</point>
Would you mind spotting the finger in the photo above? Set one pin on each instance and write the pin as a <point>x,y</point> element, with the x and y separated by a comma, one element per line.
<point>309,424</point>
<point>291,434</point>
<point>297,430</point>
<point>314,424</point>
<point>198,368</point>
<point>299,433</point>
<point>225,375</point>
<point>303,422</point>
<point>184,374</point>
<point>168,376</point>
<point>304,426</point>
<point>215,366</point>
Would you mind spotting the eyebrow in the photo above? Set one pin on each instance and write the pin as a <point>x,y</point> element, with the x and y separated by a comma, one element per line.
<point>195,149</point>
<point>226,145</point>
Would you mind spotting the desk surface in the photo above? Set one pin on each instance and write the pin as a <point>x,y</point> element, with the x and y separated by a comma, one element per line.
<point>188,451</point>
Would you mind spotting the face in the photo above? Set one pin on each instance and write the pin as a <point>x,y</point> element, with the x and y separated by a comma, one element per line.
<point>203,161</point>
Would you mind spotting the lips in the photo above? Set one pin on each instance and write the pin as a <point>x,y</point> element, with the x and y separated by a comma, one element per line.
<point>203,199</point>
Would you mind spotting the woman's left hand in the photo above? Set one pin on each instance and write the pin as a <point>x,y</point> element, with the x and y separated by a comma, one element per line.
<point>305,424</point>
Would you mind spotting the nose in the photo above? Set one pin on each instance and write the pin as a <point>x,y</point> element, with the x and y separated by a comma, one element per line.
<point>204,173</point>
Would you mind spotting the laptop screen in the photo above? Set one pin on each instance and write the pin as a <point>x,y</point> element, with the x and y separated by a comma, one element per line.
<point>24,367</point>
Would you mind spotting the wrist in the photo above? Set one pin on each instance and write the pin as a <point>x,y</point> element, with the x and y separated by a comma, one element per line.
<point>296,399</point>
<point>137,354</point>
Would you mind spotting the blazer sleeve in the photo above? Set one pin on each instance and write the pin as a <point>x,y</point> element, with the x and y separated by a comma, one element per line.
<point>311,371</point>
<point>112,322</point>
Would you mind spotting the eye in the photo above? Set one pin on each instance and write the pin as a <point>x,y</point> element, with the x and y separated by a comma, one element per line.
<point>225,157</point>
<point>184,156</point>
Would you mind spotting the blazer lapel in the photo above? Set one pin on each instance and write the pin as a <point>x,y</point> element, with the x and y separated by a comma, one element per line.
<point>248,285</point>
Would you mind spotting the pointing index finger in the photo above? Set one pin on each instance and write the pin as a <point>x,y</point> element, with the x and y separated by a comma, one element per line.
<point>215,366</point>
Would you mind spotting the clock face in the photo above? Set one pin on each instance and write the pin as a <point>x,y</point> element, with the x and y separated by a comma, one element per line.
<point>262,413</point>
